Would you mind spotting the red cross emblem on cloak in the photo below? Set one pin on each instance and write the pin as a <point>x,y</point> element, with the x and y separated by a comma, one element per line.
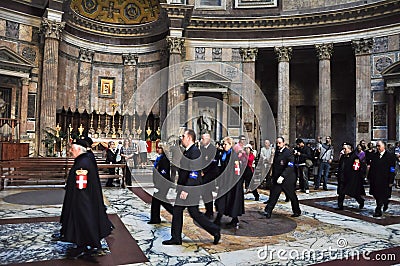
<point>356,165</point>
<point>81,179</point>
<point>237,168</point>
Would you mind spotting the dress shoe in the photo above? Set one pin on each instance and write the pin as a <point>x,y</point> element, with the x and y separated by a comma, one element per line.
<point>325,188</point>
<point>257,198</point>
<point>266,202</point>
<point>361,205</point>
<point>217,237</point>
<point>154,222</point>
<point>377,214</point>
<point>295,215</point>
<point>172,242</point>
<point>316,188</point>
<point>385,206</point>
<point>74,253</point>
<point>339,208</point>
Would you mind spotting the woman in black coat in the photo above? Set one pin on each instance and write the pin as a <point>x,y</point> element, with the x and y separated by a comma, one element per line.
<point>350,177</point>
<point>230,197</point>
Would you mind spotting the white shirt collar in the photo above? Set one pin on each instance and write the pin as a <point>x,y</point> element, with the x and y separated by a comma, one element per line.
<point>188,147</point>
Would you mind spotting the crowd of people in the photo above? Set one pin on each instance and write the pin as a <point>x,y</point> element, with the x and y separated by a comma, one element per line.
<point>227,169</point>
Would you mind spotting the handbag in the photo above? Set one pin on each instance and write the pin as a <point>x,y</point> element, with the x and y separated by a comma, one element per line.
<point>309,163</point>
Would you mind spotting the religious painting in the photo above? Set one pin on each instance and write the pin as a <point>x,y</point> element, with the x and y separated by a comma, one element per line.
<point>106,87</point>
<point>255,3</point>
<point>305,122</point>
<point>248,127</point>
<point>380,115</point>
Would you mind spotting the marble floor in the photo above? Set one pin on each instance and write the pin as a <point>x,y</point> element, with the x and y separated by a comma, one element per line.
<point>319,235</point>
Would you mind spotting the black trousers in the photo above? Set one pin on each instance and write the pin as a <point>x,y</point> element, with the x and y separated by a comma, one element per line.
<point>197,216</point>
<point>290,192</point>
<point>248,174</point>
<point>379,203</point>
<point>159,199</point>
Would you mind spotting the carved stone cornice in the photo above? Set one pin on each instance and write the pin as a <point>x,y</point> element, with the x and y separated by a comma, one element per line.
<point>52,29</point>
<point>363,46</point>
<point>130,59</point>
<point>324,51</point>
<point>175,45</point>
<point>248,54</point>
<point>374,11</point>
<point>283,53</point>
<point>86,55</point>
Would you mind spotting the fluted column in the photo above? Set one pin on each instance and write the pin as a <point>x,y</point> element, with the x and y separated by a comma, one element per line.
<point>176,93</point>
<point>85,80</point>
<point>24,105</point>
<point>225,114</point>
<point>362,49</point>
<point>283,54</point>
<point>249,56</point>
<point>52,31</point>
<point>190,110</point>
<point>324,123</point>
<point>130,82</point>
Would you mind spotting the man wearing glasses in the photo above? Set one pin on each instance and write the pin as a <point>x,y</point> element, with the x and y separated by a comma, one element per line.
<point>187,196</point>
<point>381,177</point>
<point>325,160</point>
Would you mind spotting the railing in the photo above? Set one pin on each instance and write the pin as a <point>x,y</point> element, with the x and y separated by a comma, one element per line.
<point>9,129</point>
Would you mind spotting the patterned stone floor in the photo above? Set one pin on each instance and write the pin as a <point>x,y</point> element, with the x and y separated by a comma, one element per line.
<point>320,235</point>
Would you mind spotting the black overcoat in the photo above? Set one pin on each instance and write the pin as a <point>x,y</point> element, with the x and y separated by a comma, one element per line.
<point>84,219</point>
<point>381,174</point>
<point>230,197</point>
<point>209,163</point>
<point>351,175</point>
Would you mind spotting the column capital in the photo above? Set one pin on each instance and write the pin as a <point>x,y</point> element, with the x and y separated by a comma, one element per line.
<point>362,46</point>
<point>130,59</point>
<point>283,53</point>
<point>225,95</point>
<point>248,54</point>
<point>25,81</point>
<point>175,45</point>
<point>389,90</point>
<point>190,94</point>
<point>86,55</point>
<point>324,51</point>
<point>52,29</point>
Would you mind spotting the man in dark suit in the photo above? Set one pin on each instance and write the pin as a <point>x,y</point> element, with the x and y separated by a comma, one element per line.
<point>381,177</point>
<point>188,195</point>
<point>209,172</point>
<point>283,179</point>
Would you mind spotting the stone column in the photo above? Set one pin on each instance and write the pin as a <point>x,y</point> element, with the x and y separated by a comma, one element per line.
<point>324,122</point>
<point>85,80</point>
<point>249,56</point>
<point>52,31</point>
<point>283,117</point>
<point>225,114</point>
<point>190,110</point>
<point>391,113</point>
<point>362,49</point>
<point>130,83</point>
<point>175,91</point>
<point>24,106</point>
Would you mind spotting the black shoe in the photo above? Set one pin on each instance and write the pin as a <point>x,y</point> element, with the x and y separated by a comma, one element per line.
<point>295,215</point>
<point>339,208</point>
<point>385,206</point>
<point>266,202</point>
<point>217,237</point>
<point>154,222</point>
<point>377,214</point>
<point>57,237</point>
<point>316,188</point>
<point>209,215</point>
<point>362,205</point>
<point>74,253</point>
<point>268,215</point>
<point>172,242</point>
<point>325,188</point>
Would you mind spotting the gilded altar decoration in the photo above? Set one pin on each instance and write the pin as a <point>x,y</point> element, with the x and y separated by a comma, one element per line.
<point>106,87</point>
<point>118,12</point>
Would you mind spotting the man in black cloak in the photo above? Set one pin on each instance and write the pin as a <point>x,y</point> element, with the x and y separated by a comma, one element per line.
<point>84,219</point>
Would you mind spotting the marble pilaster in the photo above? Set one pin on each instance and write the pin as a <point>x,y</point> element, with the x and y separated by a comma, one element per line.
<point>176,48</point>
<point>362,50</point>
<point>249,56</point>
<point>24,105</point>
<point>324,122</point>
<point>85,80</point>
<point>391,99</point>
<point>283,117</point>
<point>130,82</point>
<point>52,31</point>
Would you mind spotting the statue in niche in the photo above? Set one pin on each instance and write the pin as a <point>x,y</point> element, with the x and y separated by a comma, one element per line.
<point>206,121</point>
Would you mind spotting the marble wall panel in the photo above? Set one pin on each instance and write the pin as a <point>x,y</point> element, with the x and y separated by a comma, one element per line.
<point>70,50</point>
<point>190,53</point>
<point>379,96</point>
<point>295,5</point>
<point>226,54</point>
<point>108,58</point>
<point>67,83</point>
<point>25,32</point>
<point>379,133</point>
<point>29,52</point>
<point>12,45</point>
<point>2,27</point>
<point>149,57</point>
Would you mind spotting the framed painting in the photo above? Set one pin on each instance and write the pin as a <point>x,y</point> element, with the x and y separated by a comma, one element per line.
<point>106,87</point>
